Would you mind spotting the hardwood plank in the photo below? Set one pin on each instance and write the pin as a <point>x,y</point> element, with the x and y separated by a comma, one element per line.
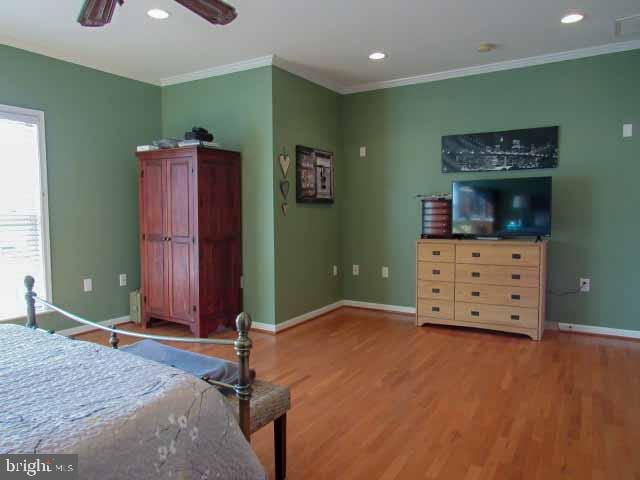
<point>375,397</point>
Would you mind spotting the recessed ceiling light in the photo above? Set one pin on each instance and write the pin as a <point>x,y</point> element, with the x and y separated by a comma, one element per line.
<point>158,14</point>
<point>377,56</point>
<point>573,17</point>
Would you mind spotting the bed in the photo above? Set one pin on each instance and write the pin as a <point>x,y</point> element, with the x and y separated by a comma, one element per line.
<point>125,416</point>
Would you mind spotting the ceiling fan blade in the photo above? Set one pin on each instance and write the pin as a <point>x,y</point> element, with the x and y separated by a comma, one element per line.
<point>214,11</point>
<point>97,13</point>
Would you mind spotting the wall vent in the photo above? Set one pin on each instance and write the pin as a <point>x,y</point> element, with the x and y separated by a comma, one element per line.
<point>627,26</point>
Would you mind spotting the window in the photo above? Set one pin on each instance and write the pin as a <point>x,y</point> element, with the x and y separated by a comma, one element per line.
<point>24,231</point>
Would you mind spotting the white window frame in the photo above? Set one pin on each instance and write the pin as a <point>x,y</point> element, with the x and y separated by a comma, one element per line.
<point>36,117</point>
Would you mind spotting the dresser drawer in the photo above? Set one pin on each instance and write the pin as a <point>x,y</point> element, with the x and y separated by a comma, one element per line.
<point>436,252</point>
<point>497,275</point>
<point>497,295</point>
<point>436,271</point>
<point>435,290</point>
<point>525,255</point>
<point>435,308</point>
<point>496,314</point>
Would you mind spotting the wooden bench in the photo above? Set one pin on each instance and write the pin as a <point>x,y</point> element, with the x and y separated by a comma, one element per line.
<point>269,403</point>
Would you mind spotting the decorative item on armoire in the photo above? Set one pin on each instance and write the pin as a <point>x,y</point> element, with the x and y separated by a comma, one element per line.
<point>314,175</point>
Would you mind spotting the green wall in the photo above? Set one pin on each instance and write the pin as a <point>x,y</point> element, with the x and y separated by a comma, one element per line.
<point>93,122</point>
<point>596,193</point>
<point>237,108</point>
<point>307,239</point>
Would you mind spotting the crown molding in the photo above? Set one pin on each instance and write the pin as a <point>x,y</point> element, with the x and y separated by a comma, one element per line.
<point>496,67</point>
<point>267,60</point>
<point>306,73</point>
<point>218,71</point>
<point>314,77</point>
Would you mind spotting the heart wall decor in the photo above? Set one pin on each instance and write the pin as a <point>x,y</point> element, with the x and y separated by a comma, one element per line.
<point>284,188</point>
<point>285,161</point>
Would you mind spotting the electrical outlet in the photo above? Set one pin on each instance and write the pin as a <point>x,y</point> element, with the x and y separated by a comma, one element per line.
<point>335,270</point>
<point>87,285</point>
<point>363,151</point>
<point>355,270</point>
<point>585,285</point>
<point>385,272</point>
<point>123,279</point>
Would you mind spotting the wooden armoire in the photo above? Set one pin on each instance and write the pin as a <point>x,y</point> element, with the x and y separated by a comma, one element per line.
<point>190,237</point>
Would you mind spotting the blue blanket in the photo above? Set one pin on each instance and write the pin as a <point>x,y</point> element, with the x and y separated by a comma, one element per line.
<point>202,366</point>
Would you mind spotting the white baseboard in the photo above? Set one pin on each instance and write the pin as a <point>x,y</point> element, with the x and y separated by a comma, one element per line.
<point>305,317</point>
<point>611,332</point>
<point>68,332</point>
<point>379,306</point>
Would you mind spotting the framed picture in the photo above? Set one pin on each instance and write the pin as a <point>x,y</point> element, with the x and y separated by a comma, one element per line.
<point>501,151</point>
<point>314,175</point>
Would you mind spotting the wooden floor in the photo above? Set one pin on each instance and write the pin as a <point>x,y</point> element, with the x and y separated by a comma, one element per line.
<point>374,397</point>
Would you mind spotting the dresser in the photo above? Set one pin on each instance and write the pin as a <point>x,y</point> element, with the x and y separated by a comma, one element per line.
<point>495,285</point>
<point>190,243</point>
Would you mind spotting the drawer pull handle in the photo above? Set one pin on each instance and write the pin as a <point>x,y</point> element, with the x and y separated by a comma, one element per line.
<point>475,254</point>
<point>435,290</point>
<point>475,274</point>
<point>475,313</point>
<point>475,294</point>
<point>435,309</point>
<point>515,276</point>
<point>516,256</point>
<point>436,253</point>
<point>436,272</point>
<point>515,296</point>
<point>515,317</point>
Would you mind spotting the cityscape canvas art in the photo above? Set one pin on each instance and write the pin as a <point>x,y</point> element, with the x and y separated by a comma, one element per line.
<point>525,149</point>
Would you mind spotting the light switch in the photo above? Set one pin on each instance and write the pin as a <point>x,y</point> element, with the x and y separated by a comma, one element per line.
<point>87,284</point>
<point>627,130</point>
<point>385,272</point>
<point>363,151</point>
<point>123,279</point>
<point>355,270</point>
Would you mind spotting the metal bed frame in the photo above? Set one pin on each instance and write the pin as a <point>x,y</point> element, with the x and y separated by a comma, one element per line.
<point>242,346</point>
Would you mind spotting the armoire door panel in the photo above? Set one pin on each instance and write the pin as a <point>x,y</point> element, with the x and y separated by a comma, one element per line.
<point>181,298</point>
<point>153,198</point>
<point>155,284</point>
<point>180,197</point>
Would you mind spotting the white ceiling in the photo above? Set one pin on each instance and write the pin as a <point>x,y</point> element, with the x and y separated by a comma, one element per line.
<point>329,39</point>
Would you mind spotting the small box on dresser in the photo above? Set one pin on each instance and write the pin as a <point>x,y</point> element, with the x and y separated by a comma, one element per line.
<point>496,285</point>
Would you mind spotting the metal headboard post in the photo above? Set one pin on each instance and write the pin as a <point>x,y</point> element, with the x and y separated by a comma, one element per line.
<point>242,346</point>
<point>243,390</point>
<point>30,297</point>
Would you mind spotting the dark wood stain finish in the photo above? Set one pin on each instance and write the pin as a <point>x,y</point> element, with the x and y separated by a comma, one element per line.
<point>190,229</point>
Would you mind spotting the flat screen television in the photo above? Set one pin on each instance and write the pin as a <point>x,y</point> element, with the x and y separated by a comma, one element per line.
<point>516,207</point>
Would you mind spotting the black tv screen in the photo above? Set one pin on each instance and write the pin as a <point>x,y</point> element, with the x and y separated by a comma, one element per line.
<point>519,207</point>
